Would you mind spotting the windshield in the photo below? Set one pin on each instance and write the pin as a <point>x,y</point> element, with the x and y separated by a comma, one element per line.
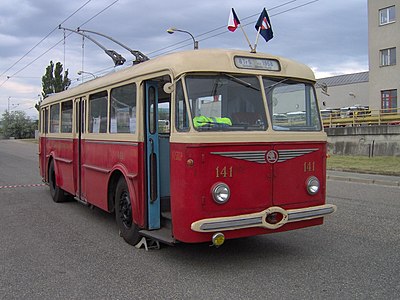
<point>292,105</point>
<point>226,102</point>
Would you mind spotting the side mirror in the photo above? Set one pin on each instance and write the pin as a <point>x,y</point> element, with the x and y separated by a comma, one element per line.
<point>168,87</point>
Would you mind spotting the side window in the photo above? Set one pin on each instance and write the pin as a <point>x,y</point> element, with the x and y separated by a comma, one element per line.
<point>163,117</point>
<point>80,117</point>
<point>55,118</point>
<point>123,109</point>
<point>41,121</point>
<point>66,116</point>
<point>98,113</point>
<point>46,120</point>
<point>181,115</point>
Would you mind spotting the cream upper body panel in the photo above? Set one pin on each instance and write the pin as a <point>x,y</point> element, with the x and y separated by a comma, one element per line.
<point>188,62</point>
<point>208,60</point>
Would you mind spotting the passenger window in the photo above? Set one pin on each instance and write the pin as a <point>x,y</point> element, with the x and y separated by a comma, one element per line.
<point>66,116</point>
<point>163,117</point>
<point>98,112</point>
<point>55,118</point>
<point>181,115</point>
<point>123,109</point>
<point>46,120</point>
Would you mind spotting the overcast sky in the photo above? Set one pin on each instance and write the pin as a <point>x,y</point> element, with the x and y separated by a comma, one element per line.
<point>329,36</point>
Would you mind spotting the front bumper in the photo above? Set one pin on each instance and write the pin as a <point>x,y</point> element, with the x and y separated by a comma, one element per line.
<point>260,219</point>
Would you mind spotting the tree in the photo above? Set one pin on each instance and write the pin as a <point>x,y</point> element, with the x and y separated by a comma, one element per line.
<point>53,81</point>
<point>17,124</point>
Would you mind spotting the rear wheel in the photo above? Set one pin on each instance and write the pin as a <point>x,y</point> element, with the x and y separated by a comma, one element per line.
<point>56,192</point>
<point>123,214</point>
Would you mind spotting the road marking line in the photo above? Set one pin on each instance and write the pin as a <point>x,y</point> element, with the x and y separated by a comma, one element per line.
<point>21,185</point>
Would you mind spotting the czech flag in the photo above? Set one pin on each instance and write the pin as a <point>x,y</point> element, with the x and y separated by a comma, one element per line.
<point>265,25</point>
<point>233,21</point>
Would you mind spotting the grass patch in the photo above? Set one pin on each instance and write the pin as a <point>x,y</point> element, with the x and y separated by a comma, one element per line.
<point>386,165</point>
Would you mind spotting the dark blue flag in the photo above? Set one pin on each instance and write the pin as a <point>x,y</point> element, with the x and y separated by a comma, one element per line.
<point>265,26</point>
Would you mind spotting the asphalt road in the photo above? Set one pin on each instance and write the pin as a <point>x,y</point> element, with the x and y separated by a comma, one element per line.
<point>68,251</point>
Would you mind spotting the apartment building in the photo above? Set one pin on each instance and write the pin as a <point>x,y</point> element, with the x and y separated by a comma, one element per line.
<point>383,48</point>
<point>379,87</point>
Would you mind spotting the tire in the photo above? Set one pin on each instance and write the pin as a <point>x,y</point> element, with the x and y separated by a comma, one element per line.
<point>123,214</point>
<point>56,192</point>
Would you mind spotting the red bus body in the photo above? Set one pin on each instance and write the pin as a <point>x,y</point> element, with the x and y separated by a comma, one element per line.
<point>268,172</point>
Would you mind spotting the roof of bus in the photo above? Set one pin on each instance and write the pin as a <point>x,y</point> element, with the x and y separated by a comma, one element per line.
<point>205,60</point>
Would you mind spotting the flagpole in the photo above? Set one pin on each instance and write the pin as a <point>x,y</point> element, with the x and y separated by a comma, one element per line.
<point>247,38</point>
<point>257,36</point>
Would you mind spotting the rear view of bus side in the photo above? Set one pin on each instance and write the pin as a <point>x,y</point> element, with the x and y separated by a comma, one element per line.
<point>197,146</point>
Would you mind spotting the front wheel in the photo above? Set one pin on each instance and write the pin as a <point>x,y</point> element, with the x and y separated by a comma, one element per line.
<point>123,214</point>
<point>56,192</point>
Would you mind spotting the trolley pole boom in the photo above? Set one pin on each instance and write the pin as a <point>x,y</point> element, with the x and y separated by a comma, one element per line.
<point>140,57</point>
<point>117,58</point>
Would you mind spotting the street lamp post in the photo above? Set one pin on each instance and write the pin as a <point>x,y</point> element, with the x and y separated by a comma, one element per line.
<point>84,72</point>
<point>195,43</point>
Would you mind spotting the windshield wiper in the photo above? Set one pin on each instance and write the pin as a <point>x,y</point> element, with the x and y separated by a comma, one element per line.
<point>275,84</point>
<point>241,81</point>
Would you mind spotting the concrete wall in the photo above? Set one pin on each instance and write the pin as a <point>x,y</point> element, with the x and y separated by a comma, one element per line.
<point>364,140</point>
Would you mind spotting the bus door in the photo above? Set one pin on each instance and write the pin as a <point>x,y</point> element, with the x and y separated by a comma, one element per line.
<point>152,155</point>
<point>43,140</point>
<point>80,118</point>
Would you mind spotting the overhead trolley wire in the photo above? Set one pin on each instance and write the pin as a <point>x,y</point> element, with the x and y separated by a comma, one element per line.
<point>215,29</point>
<point>155,51</point>
<point>224,26</point>
<point>52,47</point>
<point>186,42</point>
<point>34,47</point>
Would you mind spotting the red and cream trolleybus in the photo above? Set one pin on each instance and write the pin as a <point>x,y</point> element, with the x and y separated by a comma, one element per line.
<point>196,146</point>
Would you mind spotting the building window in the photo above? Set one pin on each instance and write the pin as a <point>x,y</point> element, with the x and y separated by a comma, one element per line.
<point>387,15</point>
<point>389,101</point>
<point>388,57</point>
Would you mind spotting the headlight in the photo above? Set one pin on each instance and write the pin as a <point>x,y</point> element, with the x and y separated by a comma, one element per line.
<point>221,193</point>
<point>312,185</point>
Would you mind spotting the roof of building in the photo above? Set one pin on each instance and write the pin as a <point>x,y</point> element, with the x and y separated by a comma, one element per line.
<point>344,79</point>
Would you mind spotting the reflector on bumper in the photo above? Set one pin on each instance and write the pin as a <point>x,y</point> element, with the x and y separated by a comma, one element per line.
<point>260,219</point>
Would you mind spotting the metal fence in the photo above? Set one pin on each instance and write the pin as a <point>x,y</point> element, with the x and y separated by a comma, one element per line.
<point>390,116</point>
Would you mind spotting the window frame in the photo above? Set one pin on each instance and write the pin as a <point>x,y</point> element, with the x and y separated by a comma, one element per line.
<point>386,11</point>
<point>51,113</point>
<point>132,115</point>
<point>63,104</point>
<point>98,96</point>
<point>389,98</point>
<point>387,57</point>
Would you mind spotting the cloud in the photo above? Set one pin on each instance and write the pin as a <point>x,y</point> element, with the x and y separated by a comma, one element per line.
<point>330,36</point>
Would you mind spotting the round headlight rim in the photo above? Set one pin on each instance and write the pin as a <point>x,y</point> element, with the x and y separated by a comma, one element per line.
<point>311,184</point>
<point>216,191</point>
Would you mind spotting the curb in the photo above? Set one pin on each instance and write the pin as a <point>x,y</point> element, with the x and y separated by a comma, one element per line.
<point>364,180</point>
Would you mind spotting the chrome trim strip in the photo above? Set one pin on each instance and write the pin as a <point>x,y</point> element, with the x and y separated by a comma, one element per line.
<point>285,155</point>
<point>66,161</point>
<point>64,139</point>
<point>95,168</point>
<point>303,215</point>
<point>259,219</point>
<point>110,142</point>
<point>231,223</point>
<point>253,156</point>
<point>259,156</point>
